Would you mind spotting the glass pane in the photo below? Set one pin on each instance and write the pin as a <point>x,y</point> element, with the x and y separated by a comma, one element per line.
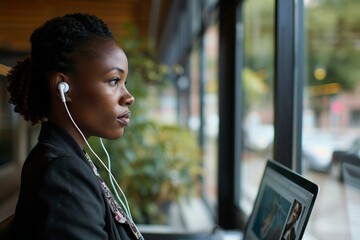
<point>331,111</point>
<point>211,114</point>
<point>258,72</point>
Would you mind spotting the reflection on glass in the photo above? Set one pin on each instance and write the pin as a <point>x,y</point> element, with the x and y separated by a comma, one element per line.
<point>257,75</point>
<point>209,98</point>
<point>331,108</point>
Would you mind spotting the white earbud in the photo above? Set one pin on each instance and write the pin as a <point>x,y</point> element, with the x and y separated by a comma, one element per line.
<point>63,88</point>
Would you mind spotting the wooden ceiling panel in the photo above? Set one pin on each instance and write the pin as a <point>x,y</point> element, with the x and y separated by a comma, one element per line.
<point>18,18</point>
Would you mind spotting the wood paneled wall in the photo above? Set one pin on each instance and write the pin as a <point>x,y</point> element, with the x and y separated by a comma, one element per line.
<point>18,18</point>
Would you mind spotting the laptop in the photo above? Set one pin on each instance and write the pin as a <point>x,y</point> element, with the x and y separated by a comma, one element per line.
<point>282,206</point>
<point>281,210</point>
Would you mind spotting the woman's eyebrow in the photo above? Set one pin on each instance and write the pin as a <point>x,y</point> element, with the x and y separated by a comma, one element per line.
<point>116,68</point>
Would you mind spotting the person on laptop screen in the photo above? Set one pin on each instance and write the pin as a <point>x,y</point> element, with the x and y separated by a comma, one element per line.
<point>282,206</point>
<point>289,232</point>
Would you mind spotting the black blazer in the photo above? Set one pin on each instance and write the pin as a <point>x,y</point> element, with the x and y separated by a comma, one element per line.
<point>60,196</point>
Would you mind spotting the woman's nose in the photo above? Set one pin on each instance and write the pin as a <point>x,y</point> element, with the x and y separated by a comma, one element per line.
<point>131,100</point>
<point>127,98</point>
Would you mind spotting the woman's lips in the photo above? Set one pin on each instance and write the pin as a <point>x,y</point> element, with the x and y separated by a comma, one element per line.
<point>124,119</point>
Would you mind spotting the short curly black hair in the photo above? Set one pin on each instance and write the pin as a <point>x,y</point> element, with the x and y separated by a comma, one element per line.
<point>53,46</point>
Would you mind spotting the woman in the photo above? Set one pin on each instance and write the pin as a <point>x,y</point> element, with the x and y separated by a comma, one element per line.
<point>289,232</point>
<point>73,83</point>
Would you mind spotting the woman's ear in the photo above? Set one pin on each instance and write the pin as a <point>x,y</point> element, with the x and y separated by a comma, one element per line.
<point>59,84</point>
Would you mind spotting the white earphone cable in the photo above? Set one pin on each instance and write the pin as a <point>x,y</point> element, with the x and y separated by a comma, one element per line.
<point>112,178</point>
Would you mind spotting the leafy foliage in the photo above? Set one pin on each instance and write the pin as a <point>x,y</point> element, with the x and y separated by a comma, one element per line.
<point>333,28</point>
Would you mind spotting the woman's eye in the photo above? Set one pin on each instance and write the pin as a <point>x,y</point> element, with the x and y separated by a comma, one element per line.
<point>114,81</point>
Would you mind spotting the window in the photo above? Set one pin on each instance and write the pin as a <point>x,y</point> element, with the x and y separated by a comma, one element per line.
<point>331,109</point>
<point>257,95</point>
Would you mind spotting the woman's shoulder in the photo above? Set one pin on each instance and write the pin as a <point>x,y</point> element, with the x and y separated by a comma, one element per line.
<point>56,149</point>
<point>61,187</point>
<point>51,165</point>
<point>47,156</point>
<point>54,162</point>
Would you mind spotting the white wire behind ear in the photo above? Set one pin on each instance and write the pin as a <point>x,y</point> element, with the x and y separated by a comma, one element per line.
<point>112,178</point>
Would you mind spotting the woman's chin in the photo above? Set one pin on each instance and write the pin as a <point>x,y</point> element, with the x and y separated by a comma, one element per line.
<point>117,135</point>
<point>112,135</point>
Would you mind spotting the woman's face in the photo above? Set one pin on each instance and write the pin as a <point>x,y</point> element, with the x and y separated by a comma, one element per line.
<point>99,99</point>
<point>295,213</point>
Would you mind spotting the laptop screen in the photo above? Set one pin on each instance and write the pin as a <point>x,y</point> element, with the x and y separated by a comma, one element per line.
<point>283,204</point>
